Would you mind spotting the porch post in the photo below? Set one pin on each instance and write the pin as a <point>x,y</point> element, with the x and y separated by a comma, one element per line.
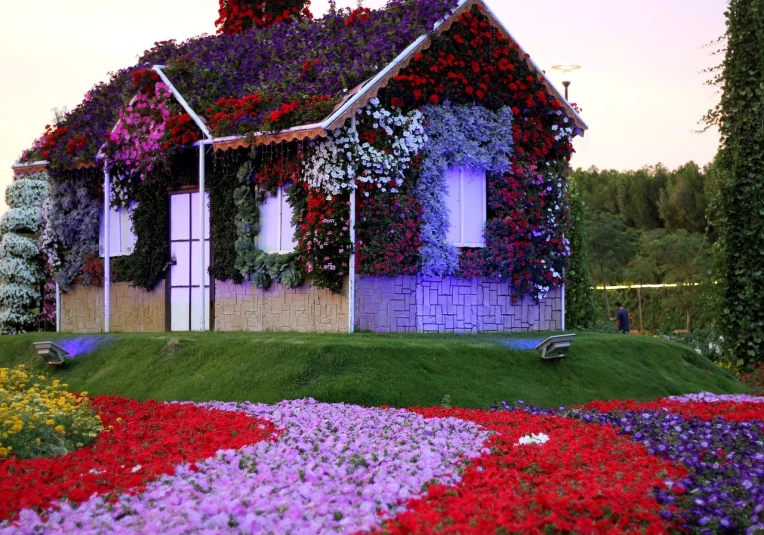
<point>106,252</point>
<point>563,307</point>
<point>58,308</point>
<point>202,271</point>
<point>351,266</point>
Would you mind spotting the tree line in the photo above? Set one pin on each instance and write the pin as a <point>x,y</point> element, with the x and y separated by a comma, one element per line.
<point>651,226</point>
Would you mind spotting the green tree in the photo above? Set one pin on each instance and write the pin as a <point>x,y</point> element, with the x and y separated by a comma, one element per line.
<point>740,218</point>
<point>677,258</point>
<point>683,203</point>
<point>579,305</point>
<point>611,246</point>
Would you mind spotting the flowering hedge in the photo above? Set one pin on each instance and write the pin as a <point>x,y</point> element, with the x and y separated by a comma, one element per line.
<point>20,260</point>
<point>40,418</point>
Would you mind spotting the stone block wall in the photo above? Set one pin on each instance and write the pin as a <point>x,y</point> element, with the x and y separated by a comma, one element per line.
<point>244,307</point>
<point>132,309</point>
<point>450,305</point>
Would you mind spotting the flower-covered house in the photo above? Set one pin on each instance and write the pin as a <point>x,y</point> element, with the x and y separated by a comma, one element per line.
<point>391,170</point>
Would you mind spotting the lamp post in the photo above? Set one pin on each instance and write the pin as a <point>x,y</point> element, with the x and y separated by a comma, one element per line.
<point>566,69</point>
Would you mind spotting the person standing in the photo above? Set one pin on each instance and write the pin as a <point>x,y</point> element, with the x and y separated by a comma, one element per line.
<point>622,319</point>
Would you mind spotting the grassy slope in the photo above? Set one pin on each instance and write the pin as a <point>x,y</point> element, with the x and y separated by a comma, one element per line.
<point>370,369</point>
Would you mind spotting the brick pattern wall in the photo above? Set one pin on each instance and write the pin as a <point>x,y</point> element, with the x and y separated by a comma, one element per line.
<point>244,307</point>
<point>132,309</point>
<point>450,305</point>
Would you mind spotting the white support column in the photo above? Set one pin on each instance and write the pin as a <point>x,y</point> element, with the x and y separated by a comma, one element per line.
<point>106,252</point>
<point>202,271</point>
<point>58,308</point>
<point>351,266</point>
<point>563,307</point>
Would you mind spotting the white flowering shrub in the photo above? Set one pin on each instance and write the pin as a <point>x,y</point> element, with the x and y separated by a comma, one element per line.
<point>379,150</point>
<point>20,263</point>
<point>29,191</point>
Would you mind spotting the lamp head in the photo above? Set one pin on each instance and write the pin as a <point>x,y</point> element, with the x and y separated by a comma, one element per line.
<point>51,353</point>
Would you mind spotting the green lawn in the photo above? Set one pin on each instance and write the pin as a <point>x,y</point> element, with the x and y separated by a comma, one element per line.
<point>374,369</point>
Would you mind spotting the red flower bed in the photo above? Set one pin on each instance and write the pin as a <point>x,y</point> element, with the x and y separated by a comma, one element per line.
<point>585,479</point>
<point>148,439</point>
<point>731,410</point>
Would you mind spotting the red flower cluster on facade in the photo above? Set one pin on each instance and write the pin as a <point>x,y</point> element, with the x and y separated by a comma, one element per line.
<point>324,239</point>
<point>147,439</point>
<point>388,231</point>
<point>182,130</point>
<point>299,112</point>
<point>227,112</point>
<point>236,16</point>
<point>585,479</point>
<point>50,139</point>
<point>145,80</point>
<point>360,14</point>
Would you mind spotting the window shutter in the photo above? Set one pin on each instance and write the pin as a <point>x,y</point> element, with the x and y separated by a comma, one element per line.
<point>288,243</point>
<point>121,236</point>
<point>454,205</point>
<point>473,207</point>
<point>270,219</point>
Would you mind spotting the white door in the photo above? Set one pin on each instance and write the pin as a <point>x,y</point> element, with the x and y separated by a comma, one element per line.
<point>185,298</point>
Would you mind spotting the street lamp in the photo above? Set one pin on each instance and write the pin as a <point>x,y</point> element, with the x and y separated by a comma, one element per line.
<point>566,69</point>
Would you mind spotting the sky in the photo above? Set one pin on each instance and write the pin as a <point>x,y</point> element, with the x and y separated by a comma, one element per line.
<point>641,86</point>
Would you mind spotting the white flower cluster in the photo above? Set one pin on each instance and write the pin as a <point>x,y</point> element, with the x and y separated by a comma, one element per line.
<point>20,274</point>
<point>531,439</point>
<point>30,190</point>
<point>342,159</point>
<point>566,131</point>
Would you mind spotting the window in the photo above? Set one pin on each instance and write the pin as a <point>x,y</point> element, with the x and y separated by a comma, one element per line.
<point>121,236</point>
<point>466,203</point>
<point>276,230</point>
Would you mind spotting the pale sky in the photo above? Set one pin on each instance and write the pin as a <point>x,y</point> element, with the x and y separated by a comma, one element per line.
<point>641,86</point>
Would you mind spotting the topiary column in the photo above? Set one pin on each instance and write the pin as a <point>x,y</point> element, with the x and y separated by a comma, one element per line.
<point>20,263</point>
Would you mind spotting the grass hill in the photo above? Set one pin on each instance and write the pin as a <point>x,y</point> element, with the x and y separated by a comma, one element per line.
<point>371,369</point>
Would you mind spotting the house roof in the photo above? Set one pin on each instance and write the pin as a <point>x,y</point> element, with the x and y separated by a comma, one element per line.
<point>343,54</point>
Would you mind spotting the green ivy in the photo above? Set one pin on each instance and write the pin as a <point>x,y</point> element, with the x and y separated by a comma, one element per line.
<point>223,210</point>
<point>740,118</point>
<point>151,225</point>
<point>579,304</point>
<point>253,263</point>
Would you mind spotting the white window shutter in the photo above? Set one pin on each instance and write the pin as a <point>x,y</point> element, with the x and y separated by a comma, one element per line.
<point>270,221</point>
<point>473,207</point>
<point>128,236</point>
<point>288,243</point>
<point>454,205</point>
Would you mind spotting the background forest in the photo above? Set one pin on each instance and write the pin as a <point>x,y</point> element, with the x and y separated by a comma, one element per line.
<point>651,226</point>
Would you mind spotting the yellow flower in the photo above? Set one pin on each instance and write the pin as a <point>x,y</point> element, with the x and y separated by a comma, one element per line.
<point>3,453</point>
<point>59,429</point>
<point>49,422</point>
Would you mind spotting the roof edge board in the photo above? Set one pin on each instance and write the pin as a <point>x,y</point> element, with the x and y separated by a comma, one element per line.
<point>29,164</point>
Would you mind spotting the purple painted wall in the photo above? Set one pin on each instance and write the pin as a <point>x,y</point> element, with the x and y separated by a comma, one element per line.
<point>450,305</point>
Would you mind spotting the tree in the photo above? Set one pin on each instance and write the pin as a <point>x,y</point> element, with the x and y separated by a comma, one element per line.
<point>611,245</point>
<point>20,262</point>
<point>579,305</point>
<point>674,258</point>
<point>740,219</point>
<point>683,203</point>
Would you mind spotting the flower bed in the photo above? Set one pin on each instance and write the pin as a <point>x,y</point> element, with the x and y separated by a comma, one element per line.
<point>334,468</point>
